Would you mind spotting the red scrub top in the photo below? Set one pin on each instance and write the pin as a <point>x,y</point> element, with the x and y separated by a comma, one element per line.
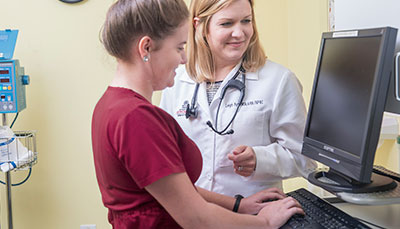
<point>134,144</point>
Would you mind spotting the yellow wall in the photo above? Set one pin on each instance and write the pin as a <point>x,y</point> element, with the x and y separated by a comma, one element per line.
<point>388,155</point>
<point>59,47</point>
<point>307,20</point>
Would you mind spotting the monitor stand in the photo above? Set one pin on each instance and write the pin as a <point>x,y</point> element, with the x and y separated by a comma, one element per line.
<point>333,181</point>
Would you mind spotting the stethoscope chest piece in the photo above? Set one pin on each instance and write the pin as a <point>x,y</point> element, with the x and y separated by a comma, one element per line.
<point>191,111</point>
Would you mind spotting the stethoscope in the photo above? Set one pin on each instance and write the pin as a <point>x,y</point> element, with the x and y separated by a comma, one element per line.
<point>192,112</point>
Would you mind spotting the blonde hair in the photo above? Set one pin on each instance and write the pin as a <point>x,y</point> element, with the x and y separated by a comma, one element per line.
<point>200,65</point>
<point>128,20</point>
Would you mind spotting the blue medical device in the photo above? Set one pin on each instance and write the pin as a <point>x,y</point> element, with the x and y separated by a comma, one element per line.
<point>12,75</point>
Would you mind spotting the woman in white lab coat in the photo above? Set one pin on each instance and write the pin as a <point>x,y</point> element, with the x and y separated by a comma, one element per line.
<point>259,142</point>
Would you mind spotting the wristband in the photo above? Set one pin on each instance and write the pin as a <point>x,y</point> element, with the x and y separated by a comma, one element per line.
<point>237,203</point>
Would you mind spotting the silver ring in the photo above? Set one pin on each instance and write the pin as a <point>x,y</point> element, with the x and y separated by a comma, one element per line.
<point>240,168</point>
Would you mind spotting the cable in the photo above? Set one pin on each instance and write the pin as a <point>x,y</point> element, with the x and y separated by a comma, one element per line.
<point>364,221</point>
<point>15,118</point>
<point>26,178</point>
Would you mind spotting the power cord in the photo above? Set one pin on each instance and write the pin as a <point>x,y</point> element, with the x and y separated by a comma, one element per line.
<point>15,118</point>
<point>26,178</point>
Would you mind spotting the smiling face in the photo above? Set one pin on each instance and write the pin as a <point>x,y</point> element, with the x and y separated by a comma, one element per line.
<point>229,32</point>
<point>168,57</point>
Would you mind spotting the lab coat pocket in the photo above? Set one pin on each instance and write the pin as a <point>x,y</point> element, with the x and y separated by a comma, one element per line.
<point>249,129</point>
<point>223,148</point>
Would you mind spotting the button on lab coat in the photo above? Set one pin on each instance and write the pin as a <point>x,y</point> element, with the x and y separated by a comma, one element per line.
<point>271,120</point>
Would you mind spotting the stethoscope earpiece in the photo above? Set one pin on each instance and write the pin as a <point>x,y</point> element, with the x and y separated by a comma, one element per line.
<point>191,110</point>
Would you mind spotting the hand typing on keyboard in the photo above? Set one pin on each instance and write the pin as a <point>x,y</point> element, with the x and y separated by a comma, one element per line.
<point>278,212</point>
<point>254,203</point>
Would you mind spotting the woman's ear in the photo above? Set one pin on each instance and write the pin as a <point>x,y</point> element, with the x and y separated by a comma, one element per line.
<point>144,47</point>
<point>196,22</point>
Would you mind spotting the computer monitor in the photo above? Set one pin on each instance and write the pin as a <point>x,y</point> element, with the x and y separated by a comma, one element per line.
<point>346,108</point>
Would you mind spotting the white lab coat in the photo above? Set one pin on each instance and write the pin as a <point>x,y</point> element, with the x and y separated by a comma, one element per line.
<point>271,120</point>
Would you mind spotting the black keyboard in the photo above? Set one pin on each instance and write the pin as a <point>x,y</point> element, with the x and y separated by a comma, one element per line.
<point>319,214</point>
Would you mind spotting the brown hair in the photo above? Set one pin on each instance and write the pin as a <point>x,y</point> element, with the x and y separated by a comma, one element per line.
<point>200,65</point>
<point>127,20</point>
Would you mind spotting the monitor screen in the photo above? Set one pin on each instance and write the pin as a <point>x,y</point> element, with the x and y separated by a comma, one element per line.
<point>343,92</point>
<point>348,100</point>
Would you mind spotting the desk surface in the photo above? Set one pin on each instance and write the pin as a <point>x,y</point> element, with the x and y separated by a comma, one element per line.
<point>387,216</point>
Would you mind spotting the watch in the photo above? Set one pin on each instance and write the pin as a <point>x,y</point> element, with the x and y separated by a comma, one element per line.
<point>71,1</point>
<point>237,202</point>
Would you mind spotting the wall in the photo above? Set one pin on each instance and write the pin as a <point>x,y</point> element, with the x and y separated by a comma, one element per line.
<point>307,20</point>
<point>59,47</point>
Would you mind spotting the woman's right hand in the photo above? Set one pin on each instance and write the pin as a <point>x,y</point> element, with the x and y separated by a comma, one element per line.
<point>254,203</point>
<point>278,212</point>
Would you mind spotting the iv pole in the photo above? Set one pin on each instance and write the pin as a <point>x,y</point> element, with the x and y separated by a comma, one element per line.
<point>8,186</point>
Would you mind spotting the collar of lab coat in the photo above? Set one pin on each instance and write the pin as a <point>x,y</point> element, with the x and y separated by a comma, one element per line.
<point>202,93</point>
<point>249,75</point>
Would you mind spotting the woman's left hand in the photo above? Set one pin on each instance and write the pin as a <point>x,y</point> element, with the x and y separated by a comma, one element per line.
<point>254,203</point>
<point>244,160</point>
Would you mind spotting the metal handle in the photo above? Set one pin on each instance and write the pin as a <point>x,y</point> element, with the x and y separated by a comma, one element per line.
<point>396,77</point>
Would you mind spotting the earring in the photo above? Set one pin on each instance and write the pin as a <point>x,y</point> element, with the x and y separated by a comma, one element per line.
<point>145,59</point>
